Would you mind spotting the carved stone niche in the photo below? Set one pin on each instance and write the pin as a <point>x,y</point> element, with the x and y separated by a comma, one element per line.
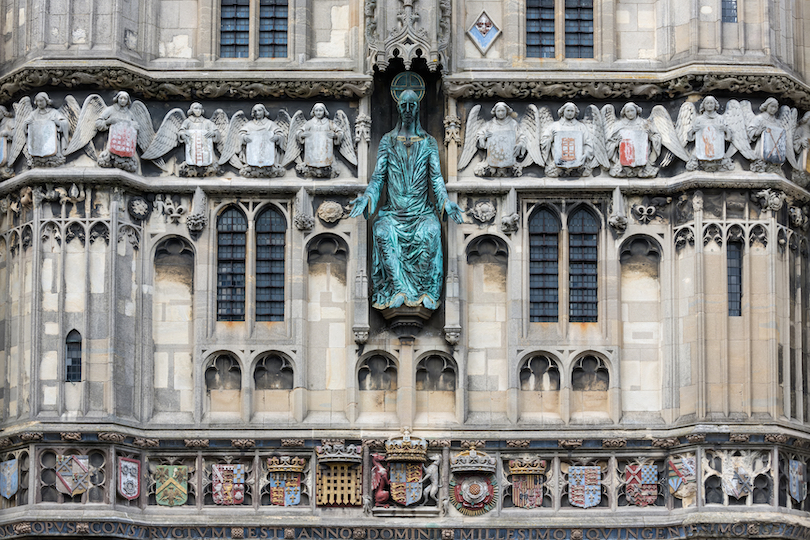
<point>407,29</point>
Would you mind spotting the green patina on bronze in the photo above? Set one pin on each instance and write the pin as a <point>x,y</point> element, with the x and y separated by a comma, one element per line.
<point>407,250</point>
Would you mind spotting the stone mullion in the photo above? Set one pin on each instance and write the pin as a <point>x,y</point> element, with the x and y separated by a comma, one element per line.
<point>670,397</point>
<point>113,296</point>
<point>250,277</point>
<point>747,287</point>
<point>36,315</point>
<point>700,316</point>
<point>723,326</point>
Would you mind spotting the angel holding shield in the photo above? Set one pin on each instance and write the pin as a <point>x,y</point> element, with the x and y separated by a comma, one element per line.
<point>318,136</point>
<point>253,146</point>
<point>633,145</point>
<point>771,133</point>
<point>129,124</point>
<point>47,131</point>
<point>567,144</point>
<point>504,139</point>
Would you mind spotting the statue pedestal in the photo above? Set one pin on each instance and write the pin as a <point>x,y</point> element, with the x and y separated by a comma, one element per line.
<point>405,321</point>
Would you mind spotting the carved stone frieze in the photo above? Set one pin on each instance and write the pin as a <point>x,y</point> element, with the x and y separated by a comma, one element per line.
<point>739,437</point>
<point>517,443</point>
<point>776,438</point>
<point>667,442</point>
<point>243,443</point>
<point>124,78</point>
<point>473,443</point>
<point>696,438</point>
<point>146,443</point>
<point>439,443</point>
<point>196,443</point>
<point>111,436</point>
<point>72,436</point>
<point>24,527</point>
<point>614,443</point>
<point>570,443</point>
<point>5,441</point>
<point>292,443</point>
<point>30,436</point>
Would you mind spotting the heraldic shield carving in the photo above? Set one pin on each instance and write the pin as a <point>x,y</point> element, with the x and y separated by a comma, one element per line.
<point>72,474</point>
<point>681,476</point>
<point>228,484</point>
<point>171,485</point>
<point>528,477</point>
<point>405,456</point>
<point>797,480</point>
<point>129,478</point>
<point>641,484</point>
<point>584,486</point>
<point>9,478</point>
<point>473,487</point>
<point>285,480</point>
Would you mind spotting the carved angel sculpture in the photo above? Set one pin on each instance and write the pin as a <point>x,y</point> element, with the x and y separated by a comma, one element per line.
<point>197,133</point>
<point>129,125</point>
<point>44,132</point>
<point>773,135</point>
<point>504,139</point>
<point>801,143</point>
<point>256,146</point>
<point>7,125</point>
<point>633,143</point>
<point>573,147</point>
<point>318,137</point>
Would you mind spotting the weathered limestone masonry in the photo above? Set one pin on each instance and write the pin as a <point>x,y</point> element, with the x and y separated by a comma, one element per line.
<point>188,341</point>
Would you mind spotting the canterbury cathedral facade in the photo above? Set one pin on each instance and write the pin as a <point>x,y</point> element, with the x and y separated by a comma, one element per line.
<point>199,231</point>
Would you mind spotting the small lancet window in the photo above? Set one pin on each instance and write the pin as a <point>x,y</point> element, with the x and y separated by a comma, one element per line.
<point>73,357</point>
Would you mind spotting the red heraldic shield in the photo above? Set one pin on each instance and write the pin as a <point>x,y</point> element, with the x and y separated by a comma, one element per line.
<point>122,139</point>
<point>641,484</point>
<point>228,484</point>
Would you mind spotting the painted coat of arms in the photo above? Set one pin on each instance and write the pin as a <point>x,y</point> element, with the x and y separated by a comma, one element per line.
<point>129,478</point>
<point>797,480</point>
<point>681,476</point>
<point>633,148</point>
<point>228,483</point>
<point>641,484</point>
<point>774,145</point>
<point>171,484</point>
<point>473,487</point>
<point>528,477</point>
<point>406,482</point>
<point>9,478</point>
<point>285,480</point>
<point>584,486</point>
<point>72,474</point>
<point>123,137</point>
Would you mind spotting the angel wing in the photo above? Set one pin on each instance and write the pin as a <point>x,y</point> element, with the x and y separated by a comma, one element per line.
<point>685,121</point>
<point>737,117</point>
<point>596,124</point>
<point>220,118</point>
<point>293,147</point>
<point>283,121</point>
<point>86,123</point>
<point>669,136</point>
<point>471,128</point>
<point>231,143</point>
<point>347,141</point>
<point>71,110</point>
<point>166,137</point>
<point>146,131</point>
<point>22,110</point>
<point>609,115</point>
<point>532,124</point>
<point>787,118</point>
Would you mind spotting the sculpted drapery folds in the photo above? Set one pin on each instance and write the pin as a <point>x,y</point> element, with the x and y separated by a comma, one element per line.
<point>407,250</point>
<point>567,144</point>
<point>48,132</point>
<point>633,145</point>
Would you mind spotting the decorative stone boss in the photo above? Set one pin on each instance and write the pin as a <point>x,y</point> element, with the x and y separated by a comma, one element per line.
<point>407,251</point>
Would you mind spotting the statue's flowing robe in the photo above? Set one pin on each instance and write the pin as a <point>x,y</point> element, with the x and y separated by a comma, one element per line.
<point>407,247</point>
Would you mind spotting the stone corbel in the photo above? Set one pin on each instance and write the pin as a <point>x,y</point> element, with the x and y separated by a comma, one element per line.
<point>452,312</point>
<point>304,220</point>
<point>360,326</point>
<point>510,219</point>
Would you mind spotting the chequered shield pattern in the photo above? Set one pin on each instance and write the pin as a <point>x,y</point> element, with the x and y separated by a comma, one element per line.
<point>584,486</point>
<point>641,484</point>
<point>228,483</point>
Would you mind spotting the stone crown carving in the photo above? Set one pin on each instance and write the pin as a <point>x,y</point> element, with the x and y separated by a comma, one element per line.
<point>472,461</point>
<point>406,448</point>
<point>527,466</point>
<point>286,464</point>
<point>339,453</point>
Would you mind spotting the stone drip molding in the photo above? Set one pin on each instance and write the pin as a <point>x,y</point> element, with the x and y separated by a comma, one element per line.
<point>117,75</point>
<point>647,85</point>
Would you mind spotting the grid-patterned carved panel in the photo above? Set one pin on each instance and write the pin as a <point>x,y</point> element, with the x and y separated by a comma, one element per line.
<point>339,484</point>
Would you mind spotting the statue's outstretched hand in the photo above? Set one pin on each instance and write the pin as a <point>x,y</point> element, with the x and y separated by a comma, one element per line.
<point>359,205</point>
<point>454,211</point>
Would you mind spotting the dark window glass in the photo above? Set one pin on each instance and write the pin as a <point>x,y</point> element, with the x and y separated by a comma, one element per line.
<point>234,29</point>
<point>544,230</point>
<point>734,251</point>
<point>231,227</point>
<point>271,230</point>
<point>582,257</point>
<point>729,8</point>
<point>540,28</point>
<point>579,28</point>
<point>73,357</point>
<point>273,28</point>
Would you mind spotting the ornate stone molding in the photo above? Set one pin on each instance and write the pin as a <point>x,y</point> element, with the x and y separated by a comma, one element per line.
<point>614,443</point>
<point>779,438</point>
<point>120,76</point>
<point>517,443</point>
<point>146,443</point>
<point>421,31</point>
<point>665,86</point>
<point>243,443</point>
<point>196,443</point>
<point>570,443</point>
<point>110,436</point>
<point>73,436</point>
<point>696,438</point>
<point>292,443</point>
<point>668,442</point>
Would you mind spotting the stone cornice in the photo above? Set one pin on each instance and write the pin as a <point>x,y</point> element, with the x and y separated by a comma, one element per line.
<point>692,79</point>
<point>172,84</point>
